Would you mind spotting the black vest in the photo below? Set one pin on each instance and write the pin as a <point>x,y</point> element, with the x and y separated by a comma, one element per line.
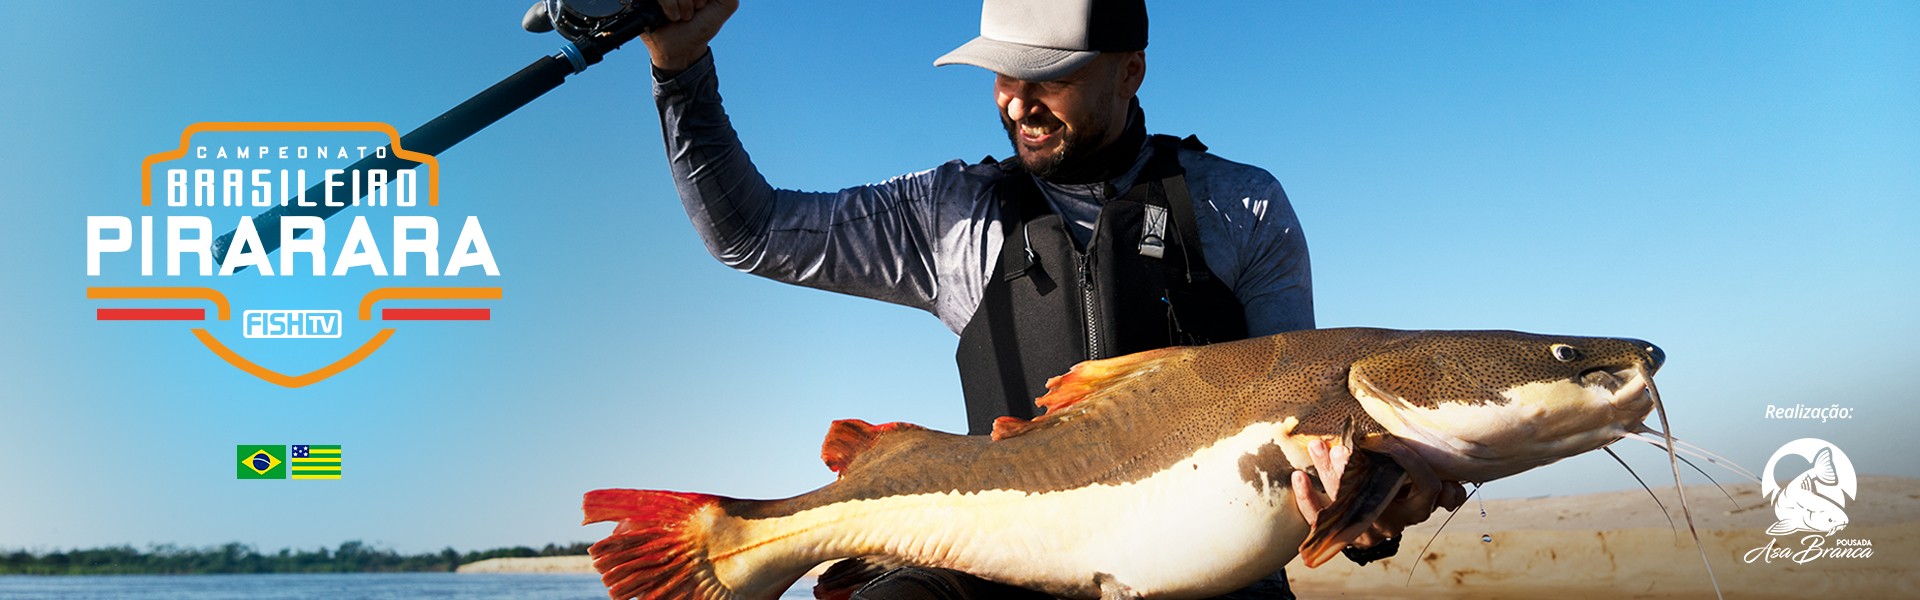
<point>1142,283</point>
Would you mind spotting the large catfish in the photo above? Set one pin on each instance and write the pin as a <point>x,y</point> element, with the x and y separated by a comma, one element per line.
<point>1163,474</point>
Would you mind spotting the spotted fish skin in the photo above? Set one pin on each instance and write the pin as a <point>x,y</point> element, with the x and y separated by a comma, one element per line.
<point>1165,472</point>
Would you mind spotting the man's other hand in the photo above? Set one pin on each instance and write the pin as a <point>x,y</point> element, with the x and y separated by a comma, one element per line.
<point>1416,500</point>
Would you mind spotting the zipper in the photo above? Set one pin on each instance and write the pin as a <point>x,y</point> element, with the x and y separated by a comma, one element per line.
<point>1087,298</point>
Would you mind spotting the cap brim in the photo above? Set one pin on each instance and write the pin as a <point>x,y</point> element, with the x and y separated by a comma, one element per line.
<point>1019,61</point>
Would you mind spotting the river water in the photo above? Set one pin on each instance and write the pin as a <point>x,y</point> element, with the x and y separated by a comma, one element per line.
<point>346,586</point>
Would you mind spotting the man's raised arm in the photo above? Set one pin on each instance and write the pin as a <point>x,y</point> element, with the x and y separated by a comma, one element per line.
<point>874,241</point>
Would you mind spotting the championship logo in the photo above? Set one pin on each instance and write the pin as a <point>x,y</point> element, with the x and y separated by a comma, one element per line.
<point>271,186</point>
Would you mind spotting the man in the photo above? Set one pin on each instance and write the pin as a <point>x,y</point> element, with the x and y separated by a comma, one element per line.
<point>1094,240</point>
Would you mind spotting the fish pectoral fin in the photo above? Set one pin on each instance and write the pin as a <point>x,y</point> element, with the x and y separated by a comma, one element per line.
<point>1783,527</point>
<point>1367,485</point>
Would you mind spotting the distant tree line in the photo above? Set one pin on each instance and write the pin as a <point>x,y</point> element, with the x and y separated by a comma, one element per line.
<point>234,557</point>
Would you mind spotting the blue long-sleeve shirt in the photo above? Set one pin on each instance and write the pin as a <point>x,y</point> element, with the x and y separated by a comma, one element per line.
<point>930,239</point>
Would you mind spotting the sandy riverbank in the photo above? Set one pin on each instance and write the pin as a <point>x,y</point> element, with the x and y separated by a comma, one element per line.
<point>1617,545</point>
<point>1613,545</point>
<point>541,564</point>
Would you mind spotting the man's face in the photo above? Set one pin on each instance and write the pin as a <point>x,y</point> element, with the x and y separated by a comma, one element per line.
<point>1053,124</point>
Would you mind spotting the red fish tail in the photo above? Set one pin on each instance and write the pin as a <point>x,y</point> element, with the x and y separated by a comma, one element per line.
<point>659,549</point>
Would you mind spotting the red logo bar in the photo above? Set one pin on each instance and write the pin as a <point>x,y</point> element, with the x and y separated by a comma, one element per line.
<point>436,314</point>
<point>150,314</point>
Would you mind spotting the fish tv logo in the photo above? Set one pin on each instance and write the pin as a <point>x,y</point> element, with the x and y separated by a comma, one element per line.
<point>1812,502</point>
<point>306,461</point>
<point>252,179</point>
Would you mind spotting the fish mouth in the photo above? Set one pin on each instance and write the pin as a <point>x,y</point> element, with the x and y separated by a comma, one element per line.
<point>1626,387</point>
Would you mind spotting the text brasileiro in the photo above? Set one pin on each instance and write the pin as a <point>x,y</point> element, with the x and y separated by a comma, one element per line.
<point>189,237</point>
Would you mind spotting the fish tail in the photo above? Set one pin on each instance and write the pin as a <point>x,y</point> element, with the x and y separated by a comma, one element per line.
<point>660,549</point>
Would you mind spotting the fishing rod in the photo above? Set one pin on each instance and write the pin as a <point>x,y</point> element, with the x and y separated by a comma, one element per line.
<point>592,29</point>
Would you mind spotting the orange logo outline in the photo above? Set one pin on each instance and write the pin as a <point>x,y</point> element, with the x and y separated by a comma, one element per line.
<point>186,140</point>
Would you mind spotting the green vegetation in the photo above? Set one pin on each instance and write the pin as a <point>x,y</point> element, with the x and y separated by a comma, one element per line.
<point>234,557</point>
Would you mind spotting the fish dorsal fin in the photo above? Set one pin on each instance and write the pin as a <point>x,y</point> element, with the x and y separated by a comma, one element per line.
<point>1091,376</point>
<point>1823,469</point>
<point>1006,427</point>
<point>847,438</point>
<point>1085,380</point>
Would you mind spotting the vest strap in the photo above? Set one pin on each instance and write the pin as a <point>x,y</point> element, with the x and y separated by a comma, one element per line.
<point>1170,192</point>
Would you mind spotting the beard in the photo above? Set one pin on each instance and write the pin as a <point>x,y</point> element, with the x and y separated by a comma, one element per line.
<point>1067,157</point>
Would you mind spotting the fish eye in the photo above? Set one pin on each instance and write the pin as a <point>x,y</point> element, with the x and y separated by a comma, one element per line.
<point>1565,353</point>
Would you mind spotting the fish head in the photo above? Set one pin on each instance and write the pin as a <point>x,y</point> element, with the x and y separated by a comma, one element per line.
<point>1815,510</point>
<point>1828,521</point>
<point>1480,405</point>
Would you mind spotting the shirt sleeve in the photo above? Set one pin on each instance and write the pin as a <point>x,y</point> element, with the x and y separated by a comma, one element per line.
<point>876,241</point>
<point>1276,282</point>
<point>1253,242</point>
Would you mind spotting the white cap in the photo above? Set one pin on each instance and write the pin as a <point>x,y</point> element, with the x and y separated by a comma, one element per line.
<point>1044,40</point>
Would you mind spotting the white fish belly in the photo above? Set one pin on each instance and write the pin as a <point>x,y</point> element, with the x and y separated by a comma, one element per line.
<point>1197,529</point>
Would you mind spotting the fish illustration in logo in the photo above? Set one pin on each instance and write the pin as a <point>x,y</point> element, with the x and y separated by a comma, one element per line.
<point>1801,506</point>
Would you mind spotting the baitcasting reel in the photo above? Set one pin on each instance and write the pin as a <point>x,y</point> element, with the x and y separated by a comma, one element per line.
<point>581,21</point>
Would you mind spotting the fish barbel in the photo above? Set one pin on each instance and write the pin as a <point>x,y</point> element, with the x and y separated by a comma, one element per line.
<point>1162,474</point>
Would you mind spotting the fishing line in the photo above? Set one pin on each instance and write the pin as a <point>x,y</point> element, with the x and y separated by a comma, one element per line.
<point>1443,527</point>
<point>1485,538</point>
<point>1710,479</point>
<point>1728,463</point>
<point>1650,494</point>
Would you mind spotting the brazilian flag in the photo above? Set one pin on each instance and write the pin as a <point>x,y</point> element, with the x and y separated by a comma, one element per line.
<point>260,462</point>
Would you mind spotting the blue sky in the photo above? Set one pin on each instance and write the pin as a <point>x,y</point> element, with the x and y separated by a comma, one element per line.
<point>1737,185</point>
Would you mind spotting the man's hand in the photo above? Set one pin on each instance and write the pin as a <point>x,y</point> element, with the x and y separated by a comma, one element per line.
<point>1415,502</point>
<point>682,42</point>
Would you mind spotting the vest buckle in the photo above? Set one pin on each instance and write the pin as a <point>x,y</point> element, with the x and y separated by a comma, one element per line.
<point>1153,232</point>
